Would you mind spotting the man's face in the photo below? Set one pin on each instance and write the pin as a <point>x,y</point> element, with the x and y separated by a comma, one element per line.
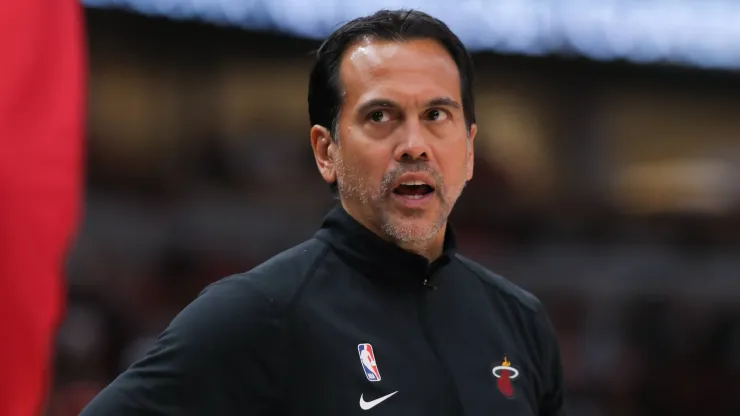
<point>404,152</point>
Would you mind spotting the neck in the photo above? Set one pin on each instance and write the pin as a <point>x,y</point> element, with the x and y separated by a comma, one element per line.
<point>431,249</point>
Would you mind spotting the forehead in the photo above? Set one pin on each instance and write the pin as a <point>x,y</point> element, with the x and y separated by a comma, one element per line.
<point>398,70</point>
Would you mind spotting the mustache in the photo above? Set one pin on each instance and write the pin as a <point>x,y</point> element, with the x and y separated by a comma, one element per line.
<point>396,173</point>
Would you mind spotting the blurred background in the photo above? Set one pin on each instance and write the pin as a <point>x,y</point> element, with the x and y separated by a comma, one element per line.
<point>607,179</point>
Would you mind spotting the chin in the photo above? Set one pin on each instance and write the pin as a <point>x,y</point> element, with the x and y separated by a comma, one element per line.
<point>410,230</point>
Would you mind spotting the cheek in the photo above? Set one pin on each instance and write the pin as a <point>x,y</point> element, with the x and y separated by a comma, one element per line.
<point>454,159</point>
<point>455,169</point>
<point>364,167</point>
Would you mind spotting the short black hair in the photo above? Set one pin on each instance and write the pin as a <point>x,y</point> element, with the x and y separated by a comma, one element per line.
<point>325,95</point>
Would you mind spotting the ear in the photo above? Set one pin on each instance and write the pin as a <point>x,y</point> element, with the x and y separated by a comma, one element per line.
<point>471,150</point>
<point>323,151</point>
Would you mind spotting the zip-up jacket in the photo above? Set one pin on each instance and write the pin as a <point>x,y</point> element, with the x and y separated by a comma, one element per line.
<point>349,324</point>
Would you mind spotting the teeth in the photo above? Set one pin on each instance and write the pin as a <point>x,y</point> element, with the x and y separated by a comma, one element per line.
<point>412,183</point>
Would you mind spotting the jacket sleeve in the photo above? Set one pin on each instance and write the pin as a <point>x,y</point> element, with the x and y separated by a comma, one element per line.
<point>219,356</point>
<point>552,400</point>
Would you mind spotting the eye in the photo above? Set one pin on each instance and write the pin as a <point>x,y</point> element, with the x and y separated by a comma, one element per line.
<point>378,116</point>
<point>436,114</point>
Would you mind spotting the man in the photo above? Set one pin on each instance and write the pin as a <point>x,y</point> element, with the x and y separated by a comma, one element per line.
<point>377,312</point>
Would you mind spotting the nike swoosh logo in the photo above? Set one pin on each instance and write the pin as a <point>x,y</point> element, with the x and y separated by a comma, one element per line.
<point>369,405</point>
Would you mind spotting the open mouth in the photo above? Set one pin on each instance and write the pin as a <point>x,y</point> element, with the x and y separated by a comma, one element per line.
<point>413,189</point>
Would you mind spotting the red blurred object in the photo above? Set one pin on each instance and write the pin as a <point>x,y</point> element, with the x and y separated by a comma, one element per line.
<point>41,130</point>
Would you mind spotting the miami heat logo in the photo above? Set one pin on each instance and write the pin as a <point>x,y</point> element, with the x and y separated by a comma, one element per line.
<point>505,373</point>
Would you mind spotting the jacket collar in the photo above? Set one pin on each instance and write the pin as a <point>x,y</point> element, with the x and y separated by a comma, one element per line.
<point>376,258</point>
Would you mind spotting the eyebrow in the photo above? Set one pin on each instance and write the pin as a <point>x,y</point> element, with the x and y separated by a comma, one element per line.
<point>443,102</point>
<point>382,102</point>
<point>375,103</point>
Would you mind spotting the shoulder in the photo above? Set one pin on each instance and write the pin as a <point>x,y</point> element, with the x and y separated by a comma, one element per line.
<point>229,314</point>
<point>524,310</point>
<point>506,293</point>
<point>502,286</point>
<point>249,301</point>
<point>277,281</point>
<point>222,350</point>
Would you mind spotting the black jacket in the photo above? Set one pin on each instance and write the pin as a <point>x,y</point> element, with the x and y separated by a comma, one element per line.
<point>340,321</point>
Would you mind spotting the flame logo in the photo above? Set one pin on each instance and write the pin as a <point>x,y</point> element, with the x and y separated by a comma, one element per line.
<point>505,374</point>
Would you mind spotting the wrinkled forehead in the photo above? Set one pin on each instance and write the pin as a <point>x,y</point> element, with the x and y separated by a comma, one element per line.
<point>408,72</point>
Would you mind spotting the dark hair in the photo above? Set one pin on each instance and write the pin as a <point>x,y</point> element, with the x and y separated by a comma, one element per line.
<point>324,90</point>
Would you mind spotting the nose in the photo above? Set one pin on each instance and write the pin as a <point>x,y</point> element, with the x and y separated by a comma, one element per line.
<point>413,147</point>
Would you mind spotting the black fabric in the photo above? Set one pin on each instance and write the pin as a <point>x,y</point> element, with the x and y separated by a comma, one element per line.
<point>284,339</point>
<point>377,258</point>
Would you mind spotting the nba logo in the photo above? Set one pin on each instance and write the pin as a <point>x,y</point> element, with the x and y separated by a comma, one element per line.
<point>367,358</point>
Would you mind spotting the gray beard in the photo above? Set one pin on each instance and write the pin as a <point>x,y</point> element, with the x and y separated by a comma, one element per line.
<point>354,186</point>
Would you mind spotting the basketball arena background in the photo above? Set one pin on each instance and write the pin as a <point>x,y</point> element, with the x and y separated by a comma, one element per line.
<point>607,181</point>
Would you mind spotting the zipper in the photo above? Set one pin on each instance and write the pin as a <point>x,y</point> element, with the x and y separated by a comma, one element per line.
<point>421,309</point>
